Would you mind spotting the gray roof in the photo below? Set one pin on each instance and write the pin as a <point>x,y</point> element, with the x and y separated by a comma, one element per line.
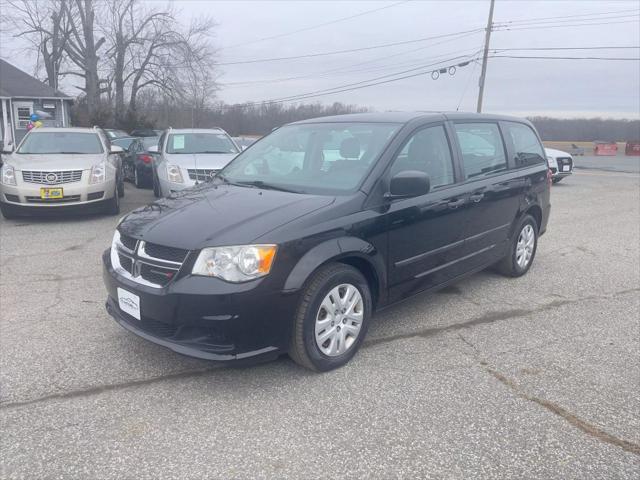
<point>405,117</point>
<point>16,83</point>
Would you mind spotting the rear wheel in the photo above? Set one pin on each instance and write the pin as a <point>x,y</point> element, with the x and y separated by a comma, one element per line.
<point>332,318</point>
<point>522,250</point>
<point>156,188</point>
<point>556,180</point>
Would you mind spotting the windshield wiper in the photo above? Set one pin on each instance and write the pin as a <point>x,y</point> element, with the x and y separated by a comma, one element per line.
<point>266,186</point>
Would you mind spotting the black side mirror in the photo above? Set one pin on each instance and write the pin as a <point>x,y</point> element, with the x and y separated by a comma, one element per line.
<point>409,183</point>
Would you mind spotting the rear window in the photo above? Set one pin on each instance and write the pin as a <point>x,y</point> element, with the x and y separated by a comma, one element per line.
<point>61,142</point>
<point>526,144</point>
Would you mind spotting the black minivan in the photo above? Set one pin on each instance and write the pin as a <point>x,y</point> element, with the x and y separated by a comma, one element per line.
<point>295,244</point>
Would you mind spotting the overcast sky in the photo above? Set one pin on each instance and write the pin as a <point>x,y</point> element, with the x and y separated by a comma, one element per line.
<point>564,88</point>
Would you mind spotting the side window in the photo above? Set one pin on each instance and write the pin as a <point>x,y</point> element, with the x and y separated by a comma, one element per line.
<point>525,144</point>
<point>427,151</point>
<point>482,148</point>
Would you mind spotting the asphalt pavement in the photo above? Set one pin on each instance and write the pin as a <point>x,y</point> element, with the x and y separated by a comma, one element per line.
<point>535,377</point>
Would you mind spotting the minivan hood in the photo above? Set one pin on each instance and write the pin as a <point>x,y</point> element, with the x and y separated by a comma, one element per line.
<point>218,215</point>
<point>66,161</point>
<point>213,161</point>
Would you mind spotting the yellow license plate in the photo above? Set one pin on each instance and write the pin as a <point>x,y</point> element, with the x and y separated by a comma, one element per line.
<point>49,193</point>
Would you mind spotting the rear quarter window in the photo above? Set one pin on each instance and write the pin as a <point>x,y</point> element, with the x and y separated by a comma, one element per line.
<point>527,147</point>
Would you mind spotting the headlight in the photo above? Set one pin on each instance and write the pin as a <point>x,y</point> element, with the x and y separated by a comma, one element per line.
<point>235,264</point>
<point>98,173</point>
<point>8,175</point>
<point>173,174</point>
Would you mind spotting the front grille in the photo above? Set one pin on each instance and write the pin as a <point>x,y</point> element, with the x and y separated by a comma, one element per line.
<point>12,198</point>
<point>128,242</point>
<point>65,199</point>
<point>126,262</point>
<point>51,177</point>
<point>201,174</point>
<point>564,161</point>
<point>158,275</point>
<point>165,253</point>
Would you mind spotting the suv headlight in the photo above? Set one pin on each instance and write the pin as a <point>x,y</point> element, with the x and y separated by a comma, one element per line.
<point>98,173</point>
<point>235,264</point>
<point>173,174</point>
<point>8,175</point>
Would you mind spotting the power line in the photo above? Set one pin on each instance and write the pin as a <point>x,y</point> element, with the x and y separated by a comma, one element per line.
<point>336,52</point>
<point>541,27</point>
<point>565,48</point>
<point>567,58</point>
<point>313,27</point>
<point>571,16</point>
<point>566,21</point>
<point>342,69</point>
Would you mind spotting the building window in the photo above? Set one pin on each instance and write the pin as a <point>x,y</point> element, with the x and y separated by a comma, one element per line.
<point>24,116</point>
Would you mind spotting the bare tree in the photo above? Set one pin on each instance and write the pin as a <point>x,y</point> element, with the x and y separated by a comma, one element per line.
<point>82,48</point>
<point>44,25</point>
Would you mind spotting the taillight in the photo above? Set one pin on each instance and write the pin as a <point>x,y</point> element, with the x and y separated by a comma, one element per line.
<point>145,158</point>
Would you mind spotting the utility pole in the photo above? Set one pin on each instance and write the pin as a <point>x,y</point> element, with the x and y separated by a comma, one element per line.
<point>487,37</point>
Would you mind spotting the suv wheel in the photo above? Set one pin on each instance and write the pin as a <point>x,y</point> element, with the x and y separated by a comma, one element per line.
<point>522,250</point>
<point>156,188</point>
<point>332,318</point>
<point>136,178</point>
<point>7,212</point>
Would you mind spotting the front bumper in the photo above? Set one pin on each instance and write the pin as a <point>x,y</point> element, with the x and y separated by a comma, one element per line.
<point>206,317</point>
<point>75,194</point>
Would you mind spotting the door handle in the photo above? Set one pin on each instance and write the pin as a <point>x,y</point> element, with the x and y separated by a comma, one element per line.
<point>453,204</point>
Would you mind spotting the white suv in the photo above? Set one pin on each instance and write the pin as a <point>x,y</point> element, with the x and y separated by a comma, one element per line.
<point>61,168</point>
<point>187,156</point>
<point>560,163</point>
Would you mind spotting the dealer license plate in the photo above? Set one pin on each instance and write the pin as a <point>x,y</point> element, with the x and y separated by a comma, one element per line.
<point>50,193</point>
<point>129,303</point>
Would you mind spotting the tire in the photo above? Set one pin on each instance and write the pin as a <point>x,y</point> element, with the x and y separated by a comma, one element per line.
<point>121,187</point>
<point>510,265</point>
<point>331,280</point>
<point>113,204</point>
<point>137,181</point>
<point>156,189</point>
<point>7,213</point>
<point>556,180</point>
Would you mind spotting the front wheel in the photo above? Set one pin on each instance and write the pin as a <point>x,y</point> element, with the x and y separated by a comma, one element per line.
<point>113,204</point>
<point>522,249</point>
<point>332,318</point>
<point>556,180</point>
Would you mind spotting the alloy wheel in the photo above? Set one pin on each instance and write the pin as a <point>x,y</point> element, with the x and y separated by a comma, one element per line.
<point>525,246</point>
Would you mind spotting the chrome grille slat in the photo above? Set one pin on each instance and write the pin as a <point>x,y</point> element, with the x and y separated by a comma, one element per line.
<point>201,174</point>
<point>62,176</point>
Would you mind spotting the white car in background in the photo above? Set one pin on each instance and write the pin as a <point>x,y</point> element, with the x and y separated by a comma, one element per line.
<point>560,163</point>
<point>61,168</point>
<point>188,156</point>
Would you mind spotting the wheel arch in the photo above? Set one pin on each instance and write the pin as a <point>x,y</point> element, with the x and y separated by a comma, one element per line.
<point>352,251</point>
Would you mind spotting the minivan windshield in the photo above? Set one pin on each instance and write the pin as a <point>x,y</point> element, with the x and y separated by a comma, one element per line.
<point>61,142</point>
<point>323,158</point>
<point>200,142</point>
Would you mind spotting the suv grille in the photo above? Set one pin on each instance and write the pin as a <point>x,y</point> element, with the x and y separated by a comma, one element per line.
<point>562,162</point>
<point>165,253</point>
<point>147,263</point>
<point>51,177</point>
<point>201,174</point>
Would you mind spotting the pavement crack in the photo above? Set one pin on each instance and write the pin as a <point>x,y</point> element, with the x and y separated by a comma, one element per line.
<point>108,388</point>
<point>490,317</point>
<point>574,420</point>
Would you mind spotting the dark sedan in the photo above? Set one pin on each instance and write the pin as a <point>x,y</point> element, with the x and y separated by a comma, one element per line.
<point>298,241</point>
<point>137,162</point>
